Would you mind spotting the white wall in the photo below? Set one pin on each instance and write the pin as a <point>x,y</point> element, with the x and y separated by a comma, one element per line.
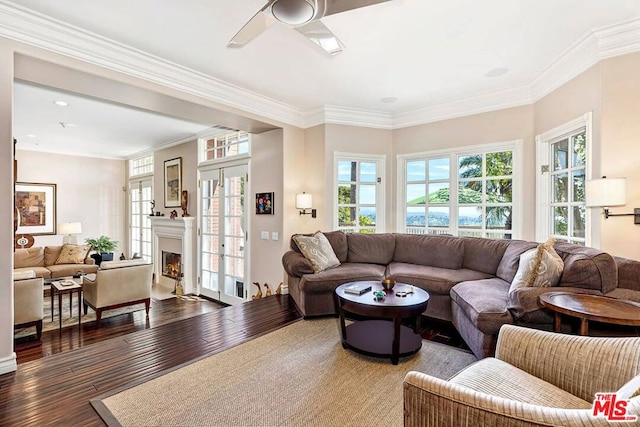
<point>89,190</point>
<point>7,356</point>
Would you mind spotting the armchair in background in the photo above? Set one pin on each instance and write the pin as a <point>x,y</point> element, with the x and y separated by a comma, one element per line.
<point>28,301</point>
<point>117,284</point>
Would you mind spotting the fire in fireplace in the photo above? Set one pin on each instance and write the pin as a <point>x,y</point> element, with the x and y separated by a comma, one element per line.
<point>171,264</point>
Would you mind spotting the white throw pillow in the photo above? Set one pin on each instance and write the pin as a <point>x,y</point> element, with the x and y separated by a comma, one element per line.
<point>540,267</point>
<point>318,251</point>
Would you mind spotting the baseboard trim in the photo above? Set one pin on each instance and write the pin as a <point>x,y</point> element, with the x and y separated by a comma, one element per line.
<point>8,364</point>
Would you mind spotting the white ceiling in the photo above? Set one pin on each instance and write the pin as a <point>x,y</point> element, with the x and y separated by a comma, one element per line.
<point>425,53</point>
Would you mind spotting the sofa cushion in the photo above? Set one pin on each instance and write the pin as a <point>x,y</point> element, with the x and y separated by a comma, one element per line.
<point>628,273</point>
<point>429,250</point>
<point>484,302</point>
<point>371,248</point>
<point>511,259</point>
<point>329,280</point>
<point>538,268</point>
<point>338,240</point>
<point>29,257</point>
<point>497,378</point>
<point>483,254</point>
<point>431,279</point>
<point>72,254</point>
<point>62,270</point>
<point>587,268</point>
<point>318,251</point>
<point>51,254</point>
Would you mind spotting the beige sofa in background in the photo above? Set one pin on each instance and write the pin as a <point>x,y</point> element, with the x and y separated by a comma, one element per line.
<point>117,284</point>
<point>537,378</point>
<point>42,260</point>
<point>28,301</point>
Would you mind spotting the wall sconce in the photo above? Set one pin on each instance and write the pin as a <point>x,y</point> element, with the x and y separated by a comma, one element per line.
<point>304,201</point>
<point>69,229</point>
<point>605,193</point>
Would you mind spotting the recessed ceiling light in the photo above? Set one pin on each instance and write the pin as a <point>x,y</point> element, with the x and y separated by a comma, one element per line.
<point>389,99</point>
<point>497,72</point>
<point>30,135</point>
<point>61,103</point>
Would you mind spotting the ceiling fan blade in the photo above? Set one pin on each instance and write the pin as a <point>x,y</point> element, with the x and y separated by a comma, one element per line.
<point>319,34</point>
<point>256,25</point>
<point>336,6</point>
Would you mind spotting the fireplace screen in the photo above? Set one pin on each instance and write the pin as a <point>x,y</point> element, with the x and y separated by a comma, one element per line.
<point>170,264</point>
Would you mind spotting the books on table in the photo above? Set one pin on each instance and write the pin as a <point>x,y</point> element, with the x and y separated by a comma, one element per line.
<point>357,288</point>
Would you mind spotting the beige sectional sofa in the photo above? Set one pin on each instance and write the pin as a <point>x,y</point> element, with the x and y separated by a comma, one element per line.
<point>468,279</point>
<point>42,260</point>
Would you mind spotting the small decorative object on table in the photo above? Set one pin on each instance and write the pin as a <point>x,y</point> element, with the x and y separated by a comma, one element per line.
<point>258,295</point>
<point>153,205</point>
<point>388,284</point>
<point>173,214</point>
<point>379,295</point>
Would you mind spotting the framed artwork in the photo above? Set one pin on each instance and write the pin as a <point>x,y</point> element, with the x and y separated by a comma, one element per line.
<point>36,208</point>
<point>172,182</point>
<point>264,203</point>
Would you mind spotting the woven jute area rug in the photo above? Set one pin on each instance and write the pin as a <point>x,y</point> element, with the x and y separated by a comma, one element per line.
<point>296,376</point>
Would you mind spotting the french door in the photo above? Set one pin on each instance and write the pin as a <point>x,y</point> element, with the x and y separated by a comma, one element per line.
<point>141,194</point>
<point>223,234</point>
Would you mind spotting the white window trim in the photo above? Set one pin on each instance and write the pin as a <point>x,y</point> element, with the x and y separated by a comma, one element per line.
<point>381,159</point>
<point>517,201</point>
<point>202,140</point>
<point>543,180</point>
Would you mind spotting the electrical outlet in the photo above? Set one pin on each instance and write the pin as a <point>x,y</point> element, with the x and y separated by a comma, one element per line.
<point>264,235</point>
<point>274,235</point>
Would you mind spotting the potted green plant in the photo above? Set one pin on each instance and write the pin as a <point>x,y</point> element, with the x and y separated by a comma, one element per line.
<point>103,247</point>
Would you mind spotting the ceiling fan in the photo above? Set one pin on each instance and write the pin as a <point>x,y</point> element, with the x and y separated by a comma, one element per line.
<point>303,16</point>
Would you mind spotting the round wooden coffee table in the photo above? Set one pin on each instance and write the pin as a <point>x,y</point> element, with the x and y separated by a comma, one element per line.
<point>591,307</point>
<point>381,333</point>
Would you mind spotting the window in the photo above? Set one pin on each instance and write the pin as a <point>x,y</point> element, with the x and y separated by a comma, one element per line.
<point>359,193</point>
<point>141,166</point>
<point>563,160</point>
<point>471,191</point>
<point>141,195</point>
<point>224,146</point>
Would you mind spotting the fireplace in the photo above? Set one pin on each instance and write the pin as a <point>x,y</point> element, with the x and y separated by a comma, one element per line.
<point>171,264</point>
<point>171,238</point>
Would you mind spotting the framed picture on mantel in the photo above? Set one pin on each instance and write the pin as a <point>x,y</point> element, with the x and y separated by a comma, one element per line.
<point>172,182</point>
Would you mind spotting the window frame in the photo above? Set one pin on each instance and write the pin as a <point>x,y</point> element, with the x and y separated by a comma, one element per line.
<point>543,178</point>
<point>515,146</point>
<point>147,168</point>
<point>380,160</point>
<point>226,135</point>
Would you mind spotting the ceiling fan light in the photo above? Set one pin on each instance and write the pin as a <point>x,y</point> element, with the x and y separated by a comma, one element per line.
<point>293,12</point>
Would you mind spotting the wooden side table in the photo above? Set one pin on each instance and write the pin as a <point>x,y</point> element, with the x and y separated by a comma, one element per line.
<point>61,287</point>
<point>591,307</point>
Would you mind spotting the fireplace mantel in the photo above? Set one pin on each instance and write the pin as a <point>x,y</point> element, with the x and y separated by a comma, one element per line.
<point>180,228</point>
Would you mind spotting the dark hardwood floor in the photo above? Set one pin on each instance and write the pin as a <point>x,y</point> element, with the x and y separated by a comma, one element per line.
<point>56,389</point>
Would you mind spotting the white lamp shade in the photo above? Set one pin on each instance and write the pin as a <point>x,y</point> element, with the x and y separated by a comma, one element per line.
<point>304,201</point>
<point>606,192</point>
<point>70,228</point>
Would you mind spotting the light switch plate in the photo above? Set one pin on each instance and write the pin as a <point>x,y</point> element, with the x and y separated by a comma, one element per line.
<point>264,235</point>
<point>274,235</point>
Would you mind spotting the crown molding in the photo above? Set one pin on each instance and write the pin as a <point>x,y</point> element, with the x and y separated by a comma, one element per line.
<point>29,27</point>
<point>331,114</point>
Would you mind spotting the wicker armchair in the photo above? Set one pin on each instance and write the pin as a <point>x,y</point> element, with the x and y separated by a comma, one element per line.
<point>537,378</point>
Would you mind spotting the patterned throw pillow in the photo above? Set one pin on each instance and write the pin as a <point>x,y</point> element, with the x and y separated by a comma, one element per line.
<point>318,251</point>
<point>72,254</point>
<point>540,267</point>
